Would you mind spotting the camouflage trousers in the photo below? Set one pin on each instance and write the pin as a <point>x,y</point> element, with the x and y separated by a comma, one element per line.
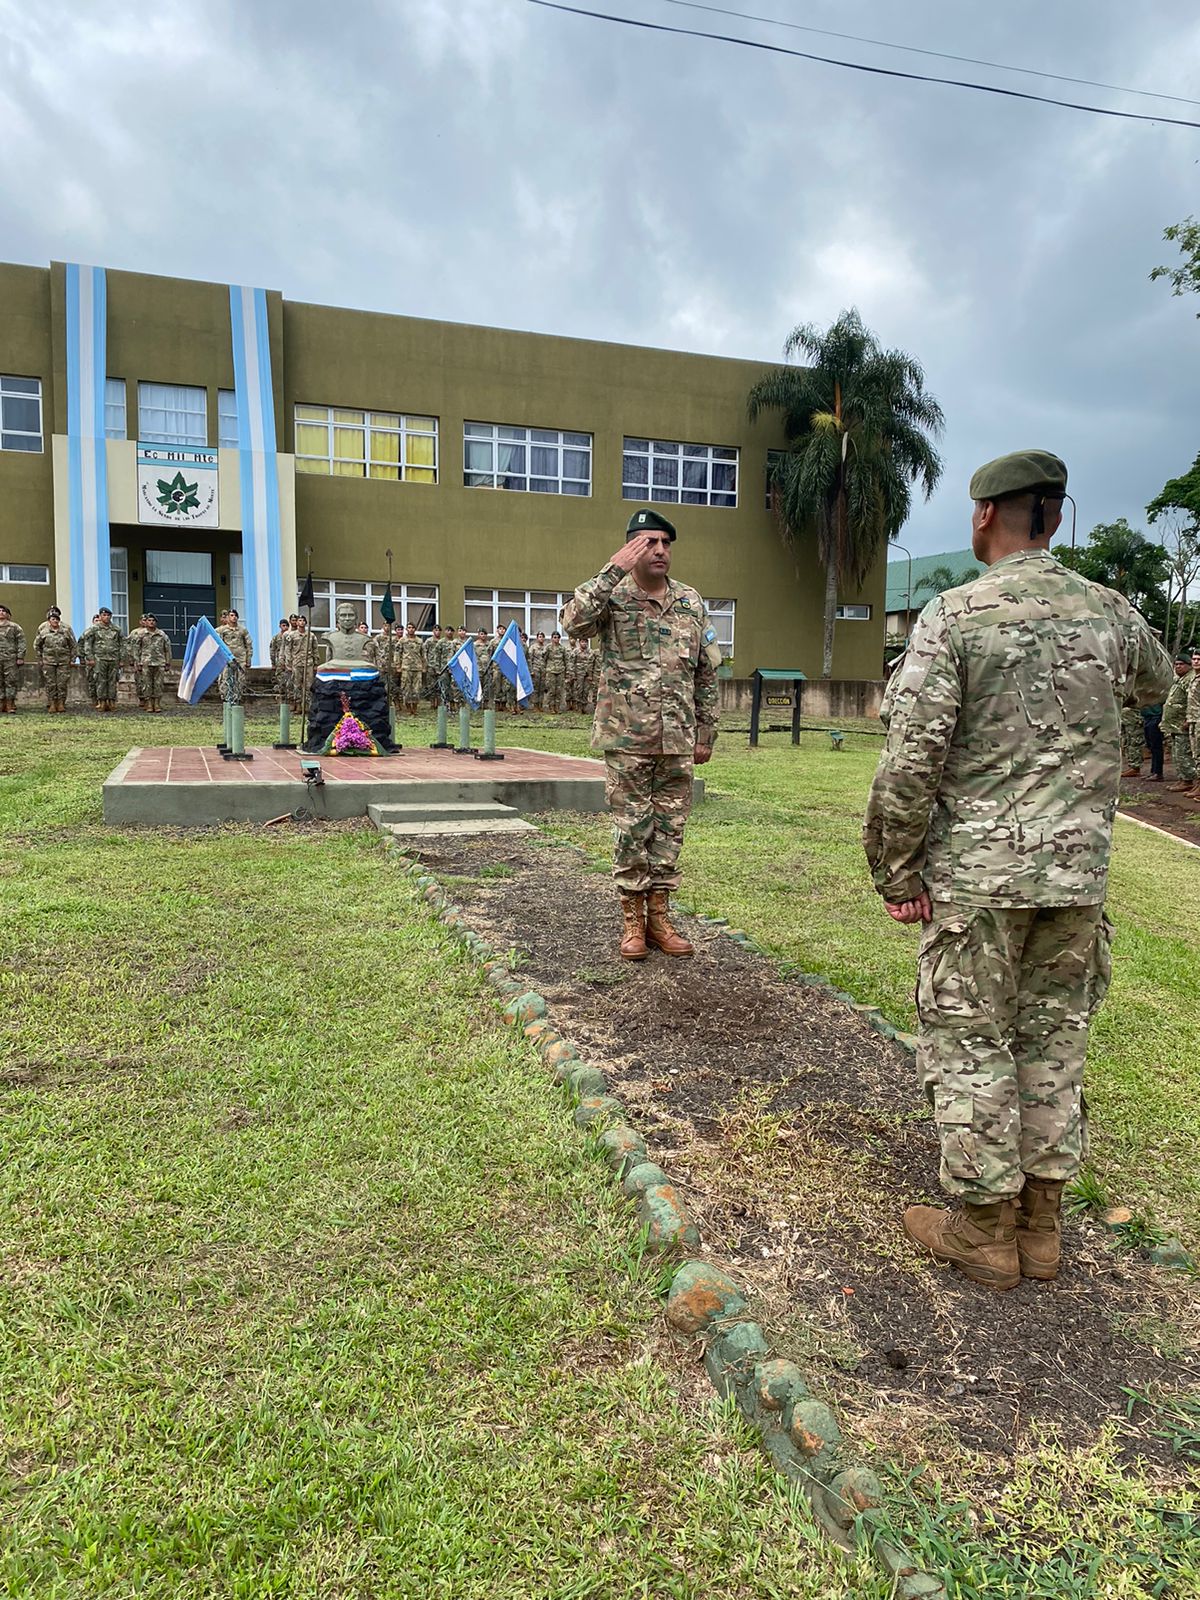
<point>56,679</point>
<point>1005,997</point>
<point>107,675</point>
<point>152,682</point>
<point>1182,758</point>
<point>410,686</point>
<point>1133,738</point>
<point>555,694</point>
<point>650,798</point>
<point>10,677</point>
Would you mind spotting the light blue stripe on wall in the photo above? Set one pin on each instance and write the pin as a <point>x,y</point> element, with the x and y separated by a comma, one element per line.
<point>262,562</point>
<point>88,582</point>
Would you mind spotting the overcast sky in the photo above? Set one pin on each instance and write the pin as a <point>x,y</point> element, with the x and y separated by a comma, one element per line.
<point>491,161</point>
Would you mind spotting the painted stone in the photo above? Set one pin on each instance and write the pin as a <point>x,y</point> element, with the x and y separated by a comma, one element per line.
<point>732,1357</point>
<point>558,1051</point>
<point>539,1029</point>
<point>812,1428</point>
<point>701,1294</point>
<point>598,1108</point>
<point>661,1213</point>
<point>777,1383</point>
<point>583,1081</point>
<point>642,1177</point>
<point>523,1008</point>
<point>851,1493</point>
<point>623,1148</point>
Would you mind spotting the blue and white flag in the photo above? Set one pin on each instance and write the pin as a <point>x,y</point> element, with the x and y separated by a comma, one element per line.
<point>509,656</point>
<point>464,669</point>
<point>205,656</point>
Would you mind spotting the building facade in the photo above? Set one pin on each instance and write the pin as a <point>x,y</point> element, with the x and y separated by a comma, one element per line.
<point>182,447</point>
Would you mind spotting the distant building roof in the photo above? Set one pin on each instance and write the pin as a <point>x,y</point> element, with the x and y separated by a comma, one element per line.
<point>897,577</point>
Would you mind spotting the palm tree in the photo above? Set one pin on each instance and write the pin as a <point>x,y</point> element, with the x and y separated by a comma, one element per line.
<point>938,579</point>
<point>858,423</point>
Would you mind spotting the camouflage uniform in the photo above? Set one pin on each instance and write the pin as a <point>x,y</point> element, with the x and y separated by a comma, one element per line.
<point>591,681</point>
<point>554,676</point>
<point>279,653</point>
<point>996,792</point>
<point>12,653</point>
<point>435,656</point>
<point>55,651</point>
<point>305,652</point>
<point>487,677</point>
<point>155,656</point>
<point>233,682</point>
<point>1133,739</point>
<point>657,700</point>
<point>1192,715</point>
<point>133,658</point>
<point>1174,727</point>
<point>410,665</point>
<point>536,656</point>
<point>102,643</point>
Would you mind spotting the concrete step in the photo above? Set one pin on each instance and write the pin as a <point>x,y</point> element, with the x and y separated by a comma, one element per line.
<point>440,811</point>
<point>460,826</point>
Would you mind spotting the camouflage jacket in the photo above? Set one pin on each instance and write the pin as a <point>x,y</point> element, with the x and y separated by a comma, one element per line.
<point>133,645</point>
<point>305,652</point>
<point>554,662</point>
<point>1175,717</point>
<point>239,642</point>
<point>278,649</point>
<point>435,657</point>
<point>410,656</point>
<point>381,650</point>
<point>657,692</point>
<point>155,649</point>
<point>103,641</point>
<point>999,779</point>
<point>56,644</point>
<point>44,627</point>
<point>12,641</point>
<point>1192,703</point>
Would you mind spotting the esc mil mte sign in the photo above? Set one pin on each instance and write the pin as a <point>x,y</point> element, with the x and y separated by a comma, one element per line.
<point>177,485</point>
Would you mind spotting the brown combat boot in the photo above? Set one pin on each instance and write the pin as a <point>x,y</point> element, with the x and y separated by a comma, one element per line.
<point>659,931</point>
<point>981,1241</point>
<point>1039,1227</point>
<point>633,934</point>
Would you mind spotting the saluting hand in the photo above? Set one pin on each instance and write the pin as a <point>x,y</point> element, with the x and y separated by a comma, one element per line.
<point>628,556</point>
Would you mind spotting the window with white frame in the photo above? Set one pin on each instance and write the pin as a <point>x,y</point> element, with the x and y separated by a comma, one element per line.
<point>683,474</point>
<point>334,441</point>
<point>21,414</point>
<point>237,584</point>
<point>529,460</point>
<point>172,413</point>
<point>414,602</point>
<point>721,614</point>
<point>774,457</point>
<point>118,572</point>
<point>534,610</point>
<point>114,408</point>
<point>227,419</point>
<point>852,613</point>
<point>23,572</point>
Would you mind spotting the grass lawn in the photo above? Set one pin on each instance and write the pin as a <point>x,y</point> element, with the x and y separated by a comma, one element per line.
<point>307,1286</point>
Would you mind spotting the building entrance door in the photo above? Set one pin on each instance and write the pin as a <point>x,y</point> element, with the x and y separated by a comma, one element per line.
<point>179,590</point>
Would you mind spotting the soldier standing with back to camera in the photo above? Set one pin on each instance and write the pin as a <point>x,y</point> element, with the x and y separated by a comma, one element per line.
<point>656,716</point>
<point>990,821</point>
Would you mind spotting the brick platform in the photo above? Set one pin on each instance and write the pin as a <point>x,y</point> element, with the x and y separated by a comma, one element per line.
<point>193,786</point>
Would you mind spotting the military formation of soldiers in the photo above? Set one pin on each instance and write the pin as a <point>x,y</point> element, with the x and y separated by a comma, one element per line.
<point>565,676</point>
<point>102,650</point>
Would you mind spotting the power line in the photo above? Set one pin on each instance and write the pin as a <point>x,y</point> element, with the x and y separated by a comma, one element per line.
<point>860,66</point>
<point>941,55</point>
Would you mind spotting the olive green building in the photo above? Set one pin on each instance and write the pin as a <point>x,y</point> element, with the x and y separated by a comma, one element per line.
<point>182,447</point>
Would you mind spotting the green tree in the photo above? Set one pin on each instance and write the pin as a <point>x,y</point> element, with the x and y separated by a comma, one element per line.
<point>1184,279</point>
<point>939,579</point>
<point>1121,558</point>
<point>859,425</point>
<point>1175,511</point>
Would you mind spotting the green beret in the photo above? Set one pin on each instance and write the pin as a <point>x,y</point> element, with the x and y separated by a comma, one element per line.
<point>1022,472</point>
<point>646,519</point>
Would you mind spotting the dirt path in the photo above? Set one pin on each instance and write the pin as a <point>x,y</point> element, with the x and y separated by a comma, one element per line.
<point>1159,804</point>
<point>798,1134</point>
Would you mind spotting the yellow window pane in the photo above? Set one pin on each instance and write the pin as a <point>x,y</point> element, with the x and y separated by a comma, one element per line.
<point>348,444</point>
<point>321,467</point>
<point>312,413</point>
<point>311,441</point>
<point>385,447</point>
<point>347,469</point>
<point>384,419</point>
<point>422,424</point>
<point>379,471</point>
<point>419,475</point>
<point>419,452</point>
<point>352,419</point>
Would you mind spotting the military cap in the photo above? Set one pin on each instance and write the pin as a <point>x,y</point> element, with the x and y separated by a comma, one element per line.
<point>1022,472</point>
<point>104,612</point>
<point>645,520</point>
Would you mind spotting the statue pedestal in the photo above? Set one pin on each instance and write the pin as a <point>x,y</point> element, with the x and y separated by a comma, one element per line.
<point>366,691</point>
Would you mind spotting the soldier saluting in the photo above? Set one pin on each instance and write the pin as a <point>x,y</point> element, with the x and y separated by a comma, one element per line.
<point>656,716</point>
<point>990,821</point>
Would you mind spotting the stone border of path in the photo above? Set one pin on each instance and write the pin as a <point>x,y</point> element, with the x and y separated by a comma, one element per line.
<point>799,1433</point>
<point>1120,1221</point>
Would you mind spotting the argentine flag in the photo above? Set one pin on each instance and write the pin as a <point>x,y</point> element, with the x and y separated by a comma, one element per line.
<point>204,657</point>
<point>509,656</point>
<point>464,669</point>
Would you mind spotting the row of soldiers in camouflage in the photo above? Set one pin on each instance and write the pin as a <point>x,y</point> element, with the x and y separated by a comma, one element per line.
<point>1178,720</point>
<point>102,649</point>
<point>565,676</point>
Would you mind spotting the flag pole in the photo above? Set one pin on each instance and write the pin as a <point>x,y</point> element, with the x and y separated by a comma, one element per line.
<point>308,590</point>
<point>391,656</point>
